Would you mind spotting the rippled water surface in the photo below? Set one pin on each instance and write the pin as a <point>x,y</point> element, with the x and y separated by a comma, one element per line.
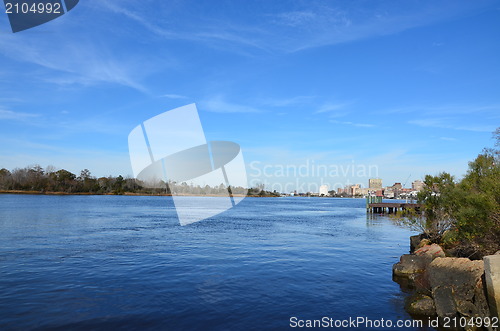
<point>108,262</point>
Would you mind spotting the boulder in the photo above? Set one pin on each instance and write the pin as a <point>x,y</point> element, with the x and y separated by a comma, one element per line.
<point>445,305</point>
<point>432,251</point>
<point>410,264</point>
<point>420,305</point>
<point>492,276</point>
<point>457,287</point>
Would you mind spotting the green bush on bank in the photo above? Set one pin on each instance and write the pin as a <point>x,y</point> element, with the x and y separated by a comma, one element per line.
<point>464,214</point>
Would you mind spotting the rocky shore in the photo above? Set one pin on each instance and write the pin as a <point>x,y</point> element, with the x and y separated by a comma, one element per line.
<point>447,287</point>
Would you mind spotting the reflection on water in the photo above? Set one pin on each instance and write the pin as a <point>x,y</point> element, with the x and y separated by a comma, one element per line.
<point>375,220</point>
<point>103,262</point>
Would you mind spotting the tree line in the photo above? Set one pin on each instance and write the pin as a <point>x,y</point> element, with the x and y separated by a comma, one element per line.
<point>34,178</point>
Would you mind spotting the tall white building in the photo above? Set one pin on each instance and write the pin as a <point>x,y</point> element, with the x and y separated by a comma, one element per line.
<point>323,190</point>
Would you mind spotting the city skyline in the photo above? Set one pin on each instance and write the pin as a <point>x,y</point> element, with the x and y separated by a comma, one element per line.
<point>375,186</point>
<point>408,88</point>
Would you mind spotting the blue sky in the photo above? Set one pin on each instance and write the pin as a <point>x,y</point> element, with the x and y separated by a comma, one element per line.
<point>411,87</point>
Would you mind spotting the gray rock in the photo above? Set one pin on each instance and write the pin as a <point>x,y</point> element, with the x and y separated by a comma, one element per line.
<point>457,287</point>
<point>410,264</point>
<point>460,273</point>
<point>420,305</point>
<point>466,308</point>
<point>443,299</point>
<point>492,277</point>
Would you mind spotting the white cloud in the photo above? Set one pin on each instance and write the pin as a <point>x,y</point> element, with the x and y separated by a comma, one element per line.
<point>72,60</point>
<point>219,105</point>
<point>303,25</point>
<point>446,109</point>
<point>447,123</point>
<point>323,24</point>
<point>296,18</point>
<point>174,96</point>
<point>464,117</point>
<point>17,116</point>
<point>209,33</point>
<point>361,125</point>
<point>331,108</point>
<point>292,101</point>
<point>59,127</point>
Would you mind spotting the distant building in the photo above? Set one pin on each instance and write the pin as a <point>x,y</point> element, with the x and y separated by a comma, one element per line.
<point>406,193</point>
<point>389,193</point>
<point>347,190</point>
<point>364,191</point>
<point>417,185</point>
<point>397,186</point>
<point>375,183</point>
<point>396,189</point>
<point>323,190</point>
<point>354,189</point>
<point>340,190</point>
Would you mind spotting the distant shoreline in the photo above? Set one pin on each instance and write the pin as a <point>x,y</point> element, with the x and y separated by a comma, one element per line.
<point>21,192</point>
<point>125,193</point>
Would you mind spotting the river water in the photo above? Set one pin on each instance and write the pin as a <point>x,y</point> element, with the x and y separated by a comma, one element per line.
<point>124,262</point>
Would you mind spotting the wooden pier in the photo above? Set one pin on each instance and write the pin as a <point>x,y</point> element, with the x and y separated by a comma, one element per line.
<point>392,207</point>
<point>374,204</point>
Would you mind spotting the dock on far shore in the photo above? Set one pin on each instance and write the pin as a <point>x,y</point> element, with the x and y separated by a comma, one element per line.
<point>374,204</point>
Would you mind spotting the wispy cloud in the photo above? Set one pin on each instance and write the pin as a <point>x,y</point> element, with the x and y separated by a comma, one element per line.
<point>303,25</point>
<point>67,61</point>
<point>331,108</point>
<point>174,96</point>
<point>298,18</point>
<point>361,125</point>
<point>446,109</point>
<point>447,123</point>
<point>319,23</point>
<point>56,127</point>
<point>464,117</point>
<point>286,102</point>
<point>218,104</point>
<point>448,139</point>
<point>211,33</point>
<point>119,8</point>
<point>16,116</point>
